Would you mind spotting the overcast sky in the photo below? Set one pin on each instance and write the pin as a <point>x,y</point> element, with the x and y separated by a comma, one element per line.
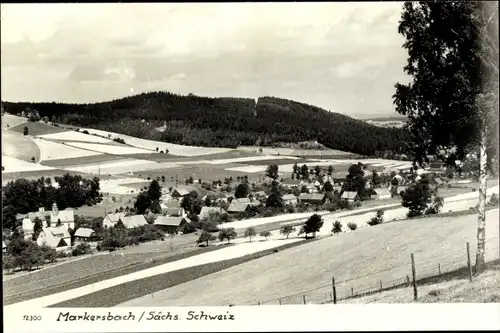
<point>345,57</point>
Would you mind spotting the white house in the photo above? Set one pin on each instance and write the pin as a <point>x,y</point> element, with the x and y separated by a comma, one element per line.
<point>67,217</point>
<point>349,196</point>
<point>290,199</point>
<point>57,238</point>
<point>84,234</point>
<point>206,211</point>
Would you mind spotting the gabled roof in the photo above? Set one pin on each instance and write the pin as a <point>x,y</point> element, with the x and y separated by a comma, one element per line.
<point>171,204</point>
<point>242,200</point>
<point>59,231</point>
<point>303,196</point>
<point>238,207</point>
<point>52,239</point>
<point>83,232</point>
<point>349,195</point>
<point>134,221</point>
<point>205,211</point>
<point>289,197</point>
<point>63,215</point>
<point>170,221</point>
<point>312,196</point>
<point>114,217</point>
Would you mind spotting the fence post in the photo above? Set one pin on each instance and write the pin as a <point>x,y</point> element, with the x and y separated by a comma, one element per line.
<point>258,303</point>
<point>380,285</point>
<point>439,269</point>
<point>334,291</point>
<point>468,262</point>
<point>407,280</point>
<point>331,297</point>
<point>304,299</point>
<point>414,274</point>
<point>352,291</point>
<point>280,301</point>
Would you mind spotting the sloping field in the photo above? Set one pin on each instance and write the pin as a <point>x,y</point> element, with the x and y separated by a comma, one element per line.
<point>364,258</point>
<point>249,159</point>
<point>119,186</point>
<point>19,146</point>
<point>484,288</point>
<point>233,153</point>
<point>54,151</point>
<point>121,166</point>
<point>12,164</point>
<point>86,160</point>
<point>108,149</point>
<point>75,136</point>
<point>173,149</point>
<point>35,129</point>
<point>9,121</point>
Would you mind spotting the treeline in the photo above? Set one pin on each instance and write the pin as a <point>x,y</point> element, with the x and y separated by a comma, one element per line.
<point>23,196</point>
<point>224,122</point>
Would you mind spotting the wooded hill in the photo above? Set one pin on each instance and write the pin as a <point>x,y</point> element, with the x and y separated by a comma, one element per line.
<point>223,122</point>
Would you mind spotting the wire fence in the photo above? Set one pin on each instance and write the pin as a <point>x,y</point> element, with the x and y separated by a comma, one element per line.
<point>454,263</point>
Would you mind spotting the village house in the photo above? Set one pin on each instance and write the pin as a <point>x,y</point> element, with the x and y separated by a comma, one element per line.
<point>111,219</point>
<point>312,198</point>
<point>134,221</point>
<point>260,194</point>
<point>206,211</point>
<point>291,183</point>
<point>172,208</point>
<point>381,194</point>
<point>290,199</point>
<point>350,196</point>
<point>67,217</point>
<point>182,191</point>
<point>57,238</point>
<point>171,224</point>
<point>28,222</point>
<point>84,235</point>
<point>237,207</point>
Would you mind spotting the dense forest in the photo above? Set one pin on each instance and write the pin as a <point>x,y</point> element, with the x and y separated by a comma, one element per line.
<point>224,122</point>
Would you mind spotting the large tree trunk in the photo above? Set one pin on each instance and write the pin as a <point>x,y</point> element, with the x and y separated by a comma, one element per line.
<point>481,223</point>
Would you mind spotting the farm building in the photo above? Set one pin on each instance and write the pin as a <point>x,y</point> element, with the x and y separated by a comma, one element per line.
<point>172,208</point>
<point>253,202</point>
<point>206,211</point>
<point>134,221</point>
<point>67,217</point>
<point>182,191</point>
<point>28,222</point>
<point>171,224</point>
<point>237,207</point>
<point>111,219</point>
<point>57,238</point>
<point>290,199</point>
<point>312,198</point>
<point>381,194</point>
<point>84,235</point>
<point>350,196</point>
<point>291,183</point>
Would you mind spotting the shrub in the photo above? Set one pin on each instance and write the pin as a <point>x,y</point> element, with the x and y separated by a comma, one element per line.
<point>493,200</point>
<point>287,230</point>
<point>378,219</point>
<point>206,237</point>
<point>26,130</point>
<point>228,234</point>
<point>81,249</point>
<point>266,234</point>
<point>352,225</point>
<point>336,227</point>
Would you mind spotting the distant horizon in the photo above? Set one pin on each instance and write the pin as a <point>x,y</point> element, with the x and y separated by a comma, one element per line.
<point>344,57</point>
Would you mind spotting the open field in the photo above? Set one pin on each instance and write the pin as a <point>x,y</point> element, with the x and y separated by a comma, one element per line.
<point>108,265</point>
<point>37,128</point>
<point>14,165</point>
<point>53,151</point>
<point>108,149</point>
<point>75,136</point>
<point>173,149</point>
<point>19,146</point>
<point>363,257</point>
<point>295,152</point>
<point>174,158</point>
<point>80,161</point>
<point>484,288</point>
<point>249,159</point>
<point>9,121</point>
<point>121,166</point>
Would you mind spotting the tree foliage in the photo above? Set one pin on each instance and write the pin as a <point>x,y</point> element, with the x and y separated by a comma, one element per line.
<point>242,191</point>
<point>313,224</point>
<point>286,230</point>
<point>228,234</point>
<point>250,232</point>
